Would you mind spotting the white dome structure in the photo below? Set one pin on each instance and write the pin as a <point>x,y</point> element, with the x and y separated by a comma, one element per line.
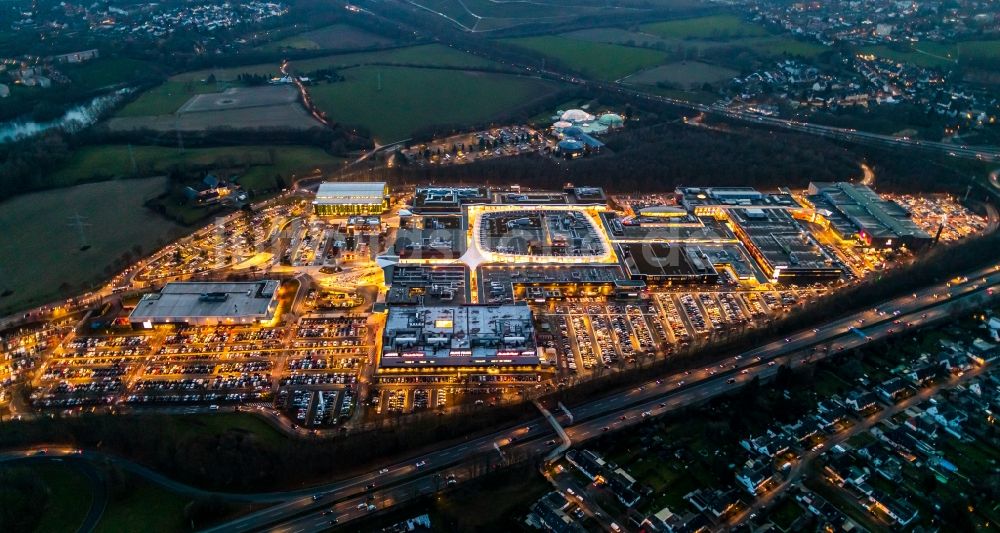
<point>576,115</point>
<point>562,124</point>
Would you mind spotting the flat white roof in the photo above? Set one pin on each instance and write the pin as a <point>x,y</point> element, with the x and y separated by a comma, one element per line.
<point>351,192</point>
<point>181,301</point>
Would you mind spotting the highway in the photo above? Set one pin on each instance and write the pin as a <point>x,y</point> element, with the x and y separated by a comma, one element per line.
<point>404,480</point>
<point>298,511</point>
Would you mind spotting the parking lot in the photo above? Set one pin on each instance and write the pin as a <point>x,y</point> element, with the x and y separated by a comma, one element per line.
<point>469,147</point>
<point>214,364</point>
<point>595,335</point>
<point>231,241</point>
<point>933,211</point>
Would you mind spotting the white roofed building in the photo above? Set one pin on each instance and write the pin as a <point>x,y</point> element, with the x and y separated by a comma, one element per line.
<point>351,198</point>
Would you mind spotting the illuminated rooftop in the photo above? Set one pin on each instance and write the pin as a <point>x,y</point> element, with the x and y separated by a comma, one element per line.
<point>459,336</point>
<point>209,302</point>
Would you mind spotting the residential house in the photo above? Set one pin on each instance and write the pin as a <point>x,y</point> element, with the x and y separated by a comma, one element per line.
<point>551,511</point>
<point>715,504</point>
<point>899,510</point>
<point>587,462</point>
<point>920,376</point>
<point>893,390</point>
<point>769,445</point>
<point>666,521</point>
<point>754,476</point>
<point>861,400</point>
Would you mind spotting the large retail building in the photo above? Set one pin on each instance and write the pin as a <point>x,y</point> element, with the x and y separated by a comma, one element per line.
<point>352,198</point>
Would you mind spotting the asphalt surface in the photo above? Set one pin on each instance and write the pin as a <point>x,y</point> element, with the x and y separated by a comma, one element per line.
<point>300,510</point>
<point>622,409</point>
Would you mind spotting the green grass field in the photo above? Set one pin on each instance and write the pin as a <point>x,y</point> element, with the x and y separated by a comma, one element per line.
<point>786,513</point>
<point>93,163</point>
<point>431,55</point>
<point>145,507</point>
<point>428,55</point>
<point>335,37</point>
<point>931,54</point>
<point>230,73</point>
<point>103,71</point>
<point>966,49</point>
<point>684,74</point>
<point>597,60</point>
<point>444,97</point>
<point>695,95</point>
<point>779,46</point>
<point>39,250</point>
<point>215,424</point>
<point>69,500</point>
<point>716,28</point>
<point>165,99</point>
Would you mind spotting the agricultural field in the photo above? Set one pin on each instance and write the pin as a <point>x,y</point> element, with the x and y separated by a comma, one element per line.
<point>597,60</point>
<point>928,60</point>
<point>966,49</point>
<point>445,97</point>
<point>428,55</point>
<point>695,96</point>
<point>712,28</point>
<point>431,55</point>
<point>41,254</point>
<point>104,162</point>
<point>229,74</point>
<point>620,36</point>
<point>166,98</point>
<point>682,38</point>
<point>938,55</point>
<point>780,46</point>
<point>683,74</point>
<point>490,15</point>
<point>336,37</point>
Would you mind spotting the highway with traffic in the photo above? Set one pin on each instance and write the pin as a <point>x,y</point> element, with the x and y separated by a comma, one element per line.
<point>350,499</point>
<point>315,508</point>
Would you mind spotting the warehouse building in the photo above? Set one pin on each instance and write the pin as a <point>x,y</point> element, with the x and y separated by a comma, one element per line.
<point>208,303</point>
<point>782,248</point>
<point>855,212</point>
<point>716,200</point>
<point>665,264</point>
<point>351,198</point>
